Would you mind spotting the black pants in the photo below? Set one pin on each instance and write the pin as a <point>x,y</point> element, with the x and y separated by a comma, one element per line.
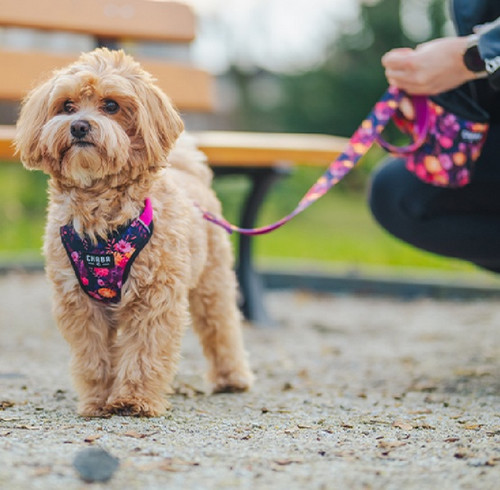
<point>462,223</point>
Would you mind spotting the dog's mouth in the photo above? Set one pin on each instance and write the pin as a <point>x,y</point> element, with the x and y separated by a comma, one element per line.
<point>75,144</point>
<point>82,144</point>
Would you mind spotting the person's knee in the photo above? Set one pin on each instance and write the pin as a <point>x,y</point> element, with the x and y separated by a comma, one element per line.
<point>398,200</point>
<point>382,192</point>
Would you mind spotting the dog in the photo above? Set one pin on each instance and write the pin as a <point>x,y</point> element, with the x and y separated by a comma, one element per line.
<point>130,259</point>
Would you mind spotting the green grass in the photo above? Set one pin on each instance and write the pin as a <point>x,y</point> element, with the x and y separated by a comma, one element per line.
<point>336,229</point>
<point>22,210</point>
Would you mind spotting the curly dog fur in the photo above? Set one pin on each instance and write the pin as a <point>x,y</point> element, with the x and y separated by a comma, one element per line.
<point>125,356</point>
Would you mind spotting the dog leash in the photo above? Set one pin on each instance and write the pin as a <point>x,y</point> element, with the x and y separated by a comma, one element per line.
<point>368,132</point>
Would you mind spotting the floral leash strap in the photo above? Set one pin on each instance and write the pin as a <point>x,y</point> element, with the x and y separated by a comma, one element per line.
<point>360,142</point>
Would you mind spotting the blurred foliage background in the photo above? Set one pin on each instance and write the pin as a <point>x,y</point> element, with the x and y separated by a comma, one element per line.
<point>331,97</point>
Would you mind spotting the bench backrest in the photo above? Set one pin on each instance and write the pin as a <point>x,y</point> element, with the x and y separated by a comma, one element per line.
<point>110,23</point>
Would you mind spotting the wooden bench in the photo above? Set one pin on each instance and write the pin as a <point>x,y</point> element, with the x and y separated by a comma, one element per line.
<point>131,24</point>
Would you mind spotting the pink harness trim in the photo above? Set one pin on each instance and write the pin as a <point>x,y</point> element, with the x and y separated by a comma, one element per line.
<point>147,215</point>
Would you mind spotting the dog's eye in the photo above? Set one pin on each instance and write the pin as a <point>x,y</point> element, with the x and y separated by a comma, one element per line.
<point>69,107</point>
<point>110,106</point>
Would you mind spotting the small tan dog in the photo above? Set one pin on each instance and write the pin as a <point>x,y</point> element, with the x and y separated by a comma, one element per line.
<point>108,138</point>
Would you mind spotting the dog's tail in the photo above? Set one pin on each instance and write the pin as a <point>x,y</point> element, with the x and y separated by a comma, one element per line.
<point>186,157</point>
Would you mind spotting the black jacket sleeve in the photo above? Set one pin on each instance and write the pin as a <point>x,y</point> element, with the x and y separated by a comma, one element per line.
<point>482,17</point>
<point>489,49</point>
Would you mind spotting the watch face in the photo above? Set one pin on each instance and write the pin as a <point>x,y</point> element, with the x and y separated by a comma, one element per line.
<point>473,61</point>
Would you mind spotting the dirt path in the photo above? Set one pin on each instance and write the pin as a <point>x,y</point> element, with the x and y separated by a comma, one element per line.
<point>351,393</point>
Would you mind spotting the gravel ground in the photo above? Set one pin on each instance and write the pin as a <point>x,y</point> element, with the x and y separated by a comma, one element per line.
<point>351,392</point>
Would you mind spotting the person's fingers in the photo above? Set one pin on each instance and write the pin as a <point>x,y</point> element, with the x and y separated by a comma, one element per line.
<point>397,59</point>
<point>400,79</point>
<point>409,87</point>
<point>399,75</point>
<point>408,84</point>
<point>417,89</point>
<point>407,109</point>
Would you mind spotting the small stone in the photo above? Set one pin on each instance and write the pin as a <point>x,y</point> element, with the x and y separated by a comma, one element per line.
<point>95,465</point>
<point>477,462</point>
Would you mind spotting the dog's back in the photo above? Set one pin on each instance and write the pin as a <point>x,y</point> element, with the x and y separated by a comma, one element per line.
<point>185,157</point>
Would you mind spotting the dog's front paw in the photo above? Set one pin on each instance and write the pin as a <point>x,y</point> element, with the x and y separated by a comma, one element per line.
<point>134,407</point>
<point>92,409</point>
<point>234,382</point>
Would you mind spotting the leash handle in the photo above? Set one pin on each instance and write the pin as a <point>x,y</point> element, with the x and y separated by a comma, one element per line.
<point>368,132</point>
<point>419,128</point>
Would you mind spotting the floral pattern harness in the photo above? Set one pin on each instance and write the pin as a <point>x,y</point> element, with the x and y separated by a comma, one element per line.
<point>103,267</point>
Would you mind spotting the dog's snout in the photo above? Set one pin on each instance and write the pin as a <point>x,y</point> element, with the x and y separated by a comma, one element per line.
<point>80,128</point>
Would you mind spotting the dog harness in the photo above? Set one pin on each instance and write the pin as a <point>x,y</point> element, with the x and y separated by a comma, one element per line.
<point>103,267</point>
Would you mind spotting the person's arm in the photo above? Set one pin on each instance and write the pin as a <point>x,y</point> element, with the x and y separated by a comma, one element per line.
<point>431,68</point>
<point>438,65</point>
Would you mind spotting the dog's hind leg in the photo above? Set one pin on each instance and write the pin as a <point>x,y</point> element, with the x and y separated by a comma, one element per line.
<point>217,321</point>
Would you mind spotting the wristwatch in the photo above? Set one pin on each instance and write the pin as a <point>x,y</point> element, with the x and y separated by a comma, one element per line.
<point>472,59</point>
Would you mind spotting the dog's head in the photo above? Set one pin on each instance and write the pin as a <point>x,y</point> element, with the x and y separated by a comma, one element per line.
<point>101,116</point>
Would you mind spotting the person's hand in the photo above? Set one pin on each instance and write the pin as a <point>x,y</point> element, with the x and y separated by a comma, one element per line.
<point>431,68</point>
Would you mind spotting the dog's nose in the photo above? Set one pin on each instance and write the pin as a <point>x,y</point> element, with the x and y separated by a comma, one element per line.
<point>80,128</point>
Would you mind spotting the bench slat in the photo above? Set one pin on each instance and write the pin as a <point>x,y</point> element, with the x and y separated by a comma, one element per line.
<point>7,134</point>
<point>130,19</point>
<point>231,148</point>
<point>22,70</point>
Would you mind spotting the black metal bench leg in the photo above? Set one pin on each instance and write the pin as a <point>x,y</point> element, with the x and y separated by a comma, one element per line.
<point>250,283</point>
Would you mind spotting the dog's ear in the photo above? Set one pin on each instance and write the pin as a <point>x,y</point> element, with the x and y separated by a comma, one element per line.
<point>34,114</point>
<point>158,123</point>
